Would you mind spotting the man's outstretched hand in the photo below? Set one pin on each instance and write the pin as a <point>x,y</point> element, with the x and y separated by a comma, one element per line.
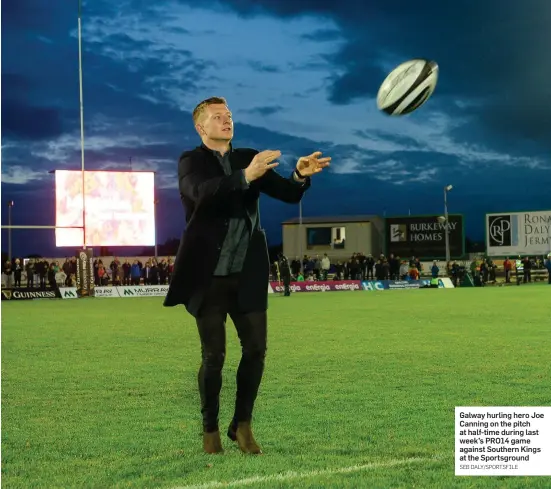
<point>312,164</point>
<point>261,163</point>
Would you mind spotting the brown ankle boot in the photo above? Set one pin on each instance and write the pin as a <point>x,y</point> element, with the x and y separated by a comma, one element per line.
<point>245,438</point>
<point>212,443</point>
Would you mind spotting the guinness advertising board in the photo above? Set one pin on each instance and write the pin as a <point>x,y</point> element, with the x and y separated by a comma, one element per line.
<point>518,233</point>
<point>424,236</point>
<point>24,294</point>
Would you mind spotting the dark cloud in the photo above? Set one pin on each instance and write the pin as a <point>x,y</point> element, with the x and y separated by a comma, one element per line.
<point>264,68</point>
<point>323,35</point>
<point>35,14</point>
<point>266,110</point>
<point>21,121</point>
<point>495,49</point>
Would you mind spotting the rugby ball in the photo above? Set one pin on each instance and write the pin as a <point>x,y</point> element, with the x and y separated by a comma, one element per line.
<point>407,87</point>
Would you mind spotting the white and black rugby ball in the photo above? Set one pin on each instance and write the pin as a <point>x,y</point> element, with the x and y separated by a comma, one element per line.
<point>407,87</point>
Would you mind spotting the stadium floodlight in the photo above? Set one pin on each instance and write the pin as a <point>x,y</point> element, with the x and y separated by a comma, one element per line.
<point>447,188</point>
<point>10,205</point>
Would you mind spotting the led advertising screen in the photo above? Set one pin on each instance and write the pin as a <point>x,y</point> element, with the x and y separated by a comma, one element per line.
<point>120,209</point>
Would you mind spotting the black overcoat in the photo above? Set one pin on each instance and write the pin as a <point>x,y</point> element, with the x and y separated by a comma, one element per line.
<point>205,191</point>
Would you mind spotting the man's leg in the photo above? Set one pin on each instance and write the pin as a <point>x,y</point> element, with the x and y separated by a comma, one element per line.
<point>211,324</point>
<point>252,332</point>
<point>212,331</point>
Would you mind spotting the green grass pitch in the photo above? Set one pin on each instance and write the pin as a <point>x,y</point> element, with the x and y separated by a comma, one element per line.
<point>359,390</point>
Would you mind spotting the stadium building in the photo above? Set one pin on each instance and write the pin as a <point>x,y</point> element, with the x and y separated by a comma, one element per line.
<point>338,236</point>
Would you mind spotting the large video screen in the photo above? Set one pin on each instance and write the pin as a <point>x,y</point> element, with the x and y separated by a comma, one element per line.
<point>120,209</point>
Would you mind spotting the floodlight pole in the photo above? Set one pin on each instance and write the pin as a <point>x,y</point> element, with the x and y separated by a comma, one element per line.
<point>447,188</point>
<point>300,236</point>
<point>155,202</point>
<point>10,205</point>
<point>81,123</point>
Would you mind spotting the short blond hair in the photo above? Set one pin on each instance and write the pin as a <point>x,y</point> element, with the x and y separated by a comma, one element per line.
<point>201,106</point>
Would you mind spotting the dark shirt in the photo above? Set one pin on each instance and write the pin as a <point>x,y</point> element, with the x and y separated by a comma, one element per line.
<point>236,243</point>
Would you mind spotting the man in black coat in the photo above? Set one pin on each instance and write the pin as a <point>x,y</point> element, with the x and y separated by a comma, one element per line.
<point>285,273</point>
<point>222,266</point>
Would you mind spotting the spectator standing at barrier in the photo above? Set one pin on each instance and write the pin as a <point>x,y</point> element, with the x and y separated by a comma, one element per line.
<point>67,268</point>
<point>295,266</point>
<point>455,269</point>
<point>163,271</point>
<point>51,276</point>
<point>42,270</point>
<point>222,263</point>
<point>507,266</point>
<point>434,270</point>
<point>547,264</point>
<point>61,278</point>
<point>379,272</point>
<point>146,272</point>
<point>491,270</point>
<point>17,271</point>
<point>7,273</point>
<point>404,270</point>
<point>170,266</point>
<point>97,264</point>
<point>317,267</point>
<point>394,267</point>
<point>135,273</point>
<point>285,273</point>
<point>154,273</point>
<point>126,272</point>
<point>114,266</point>
<point>369,267</point>
<point>102,274</point>
<point>339,270</point>
<point>483,272</point>
<point>386,269</point>
<point>29,271</point>
<point>527,270</point>
<point>325,266</point>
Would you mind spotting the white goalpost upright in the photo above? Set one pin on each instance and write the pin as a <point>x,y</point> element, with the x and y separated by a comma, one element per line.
<point>81,123</point>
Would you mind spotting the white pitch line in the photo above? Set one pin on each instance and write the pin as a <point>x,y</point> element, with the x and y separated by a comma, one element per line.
<point>287,476</point>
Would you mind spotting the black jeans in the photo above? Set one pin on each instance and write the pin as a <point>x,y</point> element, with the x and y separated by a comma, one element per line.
<point>221,300</point>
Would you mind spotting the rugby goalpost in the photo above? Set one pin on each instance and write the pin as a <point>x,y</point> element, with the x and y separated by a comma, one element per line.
<point>84,256</point>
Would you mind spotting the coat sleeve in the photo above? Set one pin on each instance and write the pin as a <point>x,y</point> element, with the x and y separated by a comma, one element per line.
<point>200,189</point>
<point>285,189</point>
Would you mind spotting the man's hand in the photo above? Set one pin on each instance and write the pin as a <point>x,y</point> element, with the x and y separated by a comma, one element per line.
<point>261,163</point>
<point>308,165</point>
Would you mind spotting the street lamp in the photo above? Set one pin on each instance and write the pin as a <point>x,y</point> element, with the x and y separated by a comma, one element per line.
<point>447,188</point>
<point>10,205</point>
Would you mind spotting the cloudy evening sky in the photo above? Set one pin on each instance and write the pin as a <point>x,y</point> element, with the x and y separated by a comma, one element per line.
<point>299,75</point>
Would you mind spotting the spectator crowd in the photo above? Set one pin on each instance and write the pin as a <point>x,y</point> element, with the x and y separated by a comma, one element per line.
<point>357,267</point>
<point>40,273</point>
<point>366,267</point>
